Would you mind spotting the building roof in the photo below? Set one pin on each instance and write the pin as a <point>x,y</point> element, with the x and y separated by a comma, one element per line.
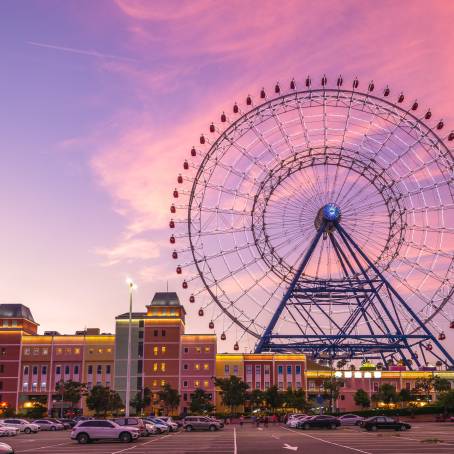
<point>16,310</point>
<point>165,299</point>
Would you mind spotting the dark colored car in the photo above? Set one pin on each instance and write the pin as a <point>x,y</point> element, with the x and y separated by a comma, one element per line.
<point>70,423</point>
<point>384,422</point>
<point>322,421</point>
<point>66,425</point>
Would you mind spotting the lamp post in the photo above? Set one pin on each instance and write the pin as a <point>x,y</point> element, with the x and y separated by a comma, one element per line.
<point>131,287</point>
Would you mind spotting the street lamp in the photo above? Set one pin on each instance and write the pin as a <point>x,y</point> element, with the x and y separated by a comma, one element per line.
<point>131,287</point>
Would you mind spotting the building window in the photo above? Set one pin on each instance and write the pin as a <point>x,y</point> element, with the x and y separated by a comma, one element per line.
<point>43,386</point>
<point>185,384</point>
<point>36,351</point>
<point>99,350</point>
<point>155,333</point>
<point>163,382</point>
<point>109,350</point>
<point>2,368</point>
<point>140,349</point>
<point>90,369</point>
<point>139,383</point>
<point>198,349</point>
<point>140,334</point>
<point>197,366</point>
<point>3,351</point>
<point>226,369</point>
<point>280,370</point>
<point>207,349</point>
<point>58,370</point>
<point>266,369</point>
<point>196,383</point>
<point>26,370</point>
<point>141,323</point>
<point>289,370</point>
<point>35,370</point>
<point>206,366</point>
<point>5,323</point>
<point>155,351</point>
<point>108,367</point>
<point>185,396</point>
<point>26,351</point>
<point>267,384</point>
<point>163,367</point>
<point>186,349</point>
<point>66,370</point>
<point>375,387</point>
<point>59,351</point>
<point>45,351</point>
<point>99,369</point>
<point>44,370</point>
<point>155,383</point>
<point>185,366</point>
<point>297,370</point>
<point>76,370</point>
<point>1,385</point>
<point>139,367</point>
<point>298,385</point>
<point>155,367</point>
<point>311,384</point>
<point>68,351</point>
<point>249,369</point>
<point>280,385</point>
<point>14,322</point>
<point>163,333</point>
<point>163,349</point>
<point>90,350</point>
<point>206,383</point>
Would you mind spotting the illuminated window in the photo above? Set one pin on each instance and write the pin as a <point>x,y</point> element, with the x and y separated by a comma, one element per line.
<point>59,351</point>
<point>45,351</point>
<point>163,367</point>
<point>155,351</point>
<point>5,322</point>
<point>163,382</point>
<point>14,322</point>
<point>163,349</point>
<point>155,367</point>
<point>155,383</point>
<point>90,350</point>
<point>226,369</point>
<point>196,383</point>
<point>26,351</point>
<point>207,349</point>
<point>235,370</point>
<point>206,366</point>
<point>36,351</point>
<point>67,350</point>
<point>109,350</point>
<point>206,383</point>
<point>198,349</point>
<point>197,367</point>
<point>77,350</point>
<point>99,350</point>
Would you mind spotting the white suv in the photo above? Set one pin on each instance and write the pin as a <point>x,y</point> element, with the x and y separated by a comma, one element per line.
<point>22,425</point>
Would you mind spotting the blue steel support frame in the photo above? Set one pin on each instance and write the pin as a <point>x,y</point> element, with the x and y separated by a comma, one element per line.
<point>389,340</point>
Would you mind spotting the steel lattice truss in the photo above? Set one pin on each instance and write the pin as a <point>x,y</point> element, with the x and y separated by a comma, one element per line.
<point>250,208</point>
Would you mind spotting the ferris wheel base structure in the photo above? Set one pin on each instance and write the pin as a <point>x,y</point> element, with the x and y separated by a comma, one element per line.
<point>376,304</point>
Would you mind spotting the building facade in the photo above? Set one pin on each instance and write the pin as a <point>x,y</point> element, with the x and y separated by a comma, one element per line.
<point>32,364</point>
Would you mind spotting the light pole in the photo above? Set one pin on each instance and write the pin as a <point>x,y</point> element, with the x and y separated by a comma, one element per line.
<point>131,287</point>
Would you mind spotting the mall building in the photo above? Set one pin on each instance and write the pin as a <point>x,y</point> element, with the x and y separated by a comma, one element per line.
<point>32,364</point>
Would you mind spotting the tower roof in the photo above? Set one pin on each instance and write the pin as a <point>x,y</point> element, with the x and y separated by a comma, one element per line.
<point>165,299</point>
<point>16,310</point>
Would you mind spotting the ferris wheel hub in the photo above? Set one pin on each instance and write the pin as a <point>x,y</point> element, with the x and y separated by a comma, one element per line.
<point>331,212</point>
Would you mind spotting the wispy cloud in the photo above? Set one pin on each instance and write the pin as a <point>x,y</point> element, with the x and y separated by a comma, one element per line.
<point>90,53</point>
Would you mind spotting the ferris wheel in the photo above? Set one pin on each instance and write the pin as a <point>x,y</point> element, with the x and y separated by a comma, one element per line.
<point>321,219</point>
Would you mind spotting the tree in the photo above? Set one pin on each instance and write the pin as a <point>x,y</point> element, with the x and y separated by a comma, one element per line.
<point>386,394</point>
<point>404,396</point>
<point>169,397</point>
<point>446,400</point>
<point>273,398</point>
<point>141,400</point>
<point>361,398</point>
<point>332,389</point>
<point>201,402</point>
<point>441,384</point>
<point>115,402</point>
<point>71,391</point>
<point>98,399</point>
<point>255,397</point>
<point>233,391</point>
<point>425,386</point>
<point>295,399</point>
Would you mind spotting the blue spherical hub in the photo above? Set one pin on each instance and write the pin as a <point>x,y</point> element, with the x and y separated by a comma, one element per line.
<point>331,212</point>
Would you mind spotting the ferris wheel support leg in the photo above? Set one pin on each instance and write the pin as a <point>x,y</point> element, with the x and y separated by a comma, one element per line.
<point>449,360</point>
<point>266,335</point>
<point>377,295</point>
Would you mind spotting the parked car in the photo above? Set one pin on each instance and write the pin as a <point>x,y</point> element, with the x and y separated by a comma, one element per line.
<point>200,423</point>
<point>60,421</point>
<point>96,429</point>
<point>46,424</point>
<point>6,449</point>
<point>217,420</point>
<point>300,421</point>
<point>82,418</point>
<point>150,428</point>
<point>70,423</point>
<point>322,421</point>
<point>132,422</point>
<point>350,420</point>
<point>173,426</point>
<point>21,424</point>
<point>161,426</point>
<point>384,422</point>
<point>293,420</point>
<point>9,431</point>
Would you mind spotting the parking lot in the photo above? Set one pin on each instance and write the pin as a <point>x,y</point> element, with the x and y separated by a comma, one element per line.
<point>423,438</point>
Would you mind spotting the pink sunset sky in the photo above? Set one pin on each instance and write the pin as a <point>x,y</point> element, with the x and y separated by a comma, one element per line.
<point>102,100</point>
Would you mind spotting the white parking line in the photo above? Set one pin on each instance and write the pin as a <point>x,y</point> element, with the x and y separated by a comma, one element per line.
<point>47,446</point>
<point>328,442</point>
